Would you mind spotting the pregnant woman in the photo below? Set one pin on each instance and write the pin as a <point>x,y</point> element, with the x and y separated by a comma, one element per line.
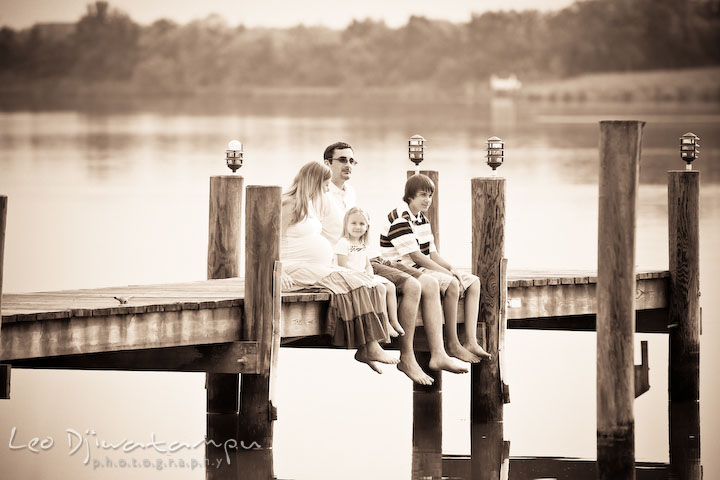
<point>355,316</point>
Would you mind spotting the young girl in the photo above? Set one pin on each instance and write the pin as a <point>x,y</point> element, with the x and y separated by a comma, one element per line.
<point>351,252</point>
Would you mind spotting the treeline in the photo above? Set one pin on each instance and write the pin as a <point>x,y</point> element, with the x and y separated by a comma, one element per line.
<point>107,47</point>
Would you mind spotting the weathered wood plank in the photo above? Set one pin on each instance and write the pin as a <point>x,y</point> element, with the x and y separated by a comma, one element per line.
<point>80,335</point>
<point>235,357</point>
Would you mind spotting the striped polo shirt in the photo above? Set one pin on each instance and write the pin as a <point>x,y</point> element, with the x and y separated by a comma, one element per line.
<point>403,233</point>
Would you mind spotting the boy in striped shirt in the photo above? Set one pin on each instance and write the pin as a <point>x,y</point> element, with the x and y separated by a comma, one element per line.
<point>407,238</point>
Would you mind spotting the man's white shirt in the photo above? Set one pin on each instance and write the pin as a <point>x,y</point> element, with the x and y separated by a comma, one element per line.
<point>336,202</point>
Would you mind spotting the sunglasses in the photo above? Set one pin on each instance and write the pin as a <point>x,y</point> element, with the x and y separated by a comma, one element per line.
<point>345,160</point>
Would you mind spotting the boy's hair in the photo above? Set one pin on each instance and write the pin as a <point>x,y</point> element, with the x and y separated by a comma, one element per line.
<point>417,183</point>
<point>328,153</point>
<point>359,211</point>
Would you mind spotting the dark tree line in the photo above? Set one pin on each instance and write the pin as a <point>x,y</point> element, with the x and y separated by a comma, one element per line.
<point>106,45</point>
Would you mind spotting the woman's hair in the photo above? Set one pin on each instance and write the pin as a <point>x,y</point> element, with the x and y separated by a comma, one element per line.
<point>356,211</point>
<point>417,183</point>
<point>307,188</point>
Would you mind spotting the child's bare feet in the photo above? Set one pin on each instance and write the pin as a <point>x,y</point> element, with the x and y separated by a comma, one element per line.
<point>376,353</point>
<point>396,327</point>
<point>477,350</point>
<point>361,356</point>
<point>459,352</point>
<point>444,362</point>
<point>414,372</point>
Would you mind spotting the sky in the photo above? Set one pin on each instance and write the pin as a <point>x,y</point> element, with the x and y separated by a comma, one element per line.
<point>19,14</point>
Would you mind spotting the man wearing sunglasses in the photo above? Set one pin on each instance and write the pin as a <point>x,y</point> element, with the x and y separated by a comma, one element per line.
<point>339,157</point>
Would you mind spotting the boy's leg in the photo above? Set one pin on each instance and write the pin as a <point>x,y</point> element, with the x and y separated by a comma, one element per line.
<point>407,313</point>
<point>450,307</point>
<point>405,279</point>
<point>432,320</point>
<point>472,304</point>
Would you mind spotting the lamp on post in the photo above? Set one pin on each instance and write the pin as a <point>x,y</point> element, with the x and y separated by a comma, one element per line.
<point>495,153</point>
<point>416,146</point>
<point>689,148</point>
<point>234,155</point>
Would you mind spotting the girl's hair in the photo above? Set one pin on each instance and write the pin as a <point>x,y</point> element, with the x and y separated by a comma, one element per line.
<point>417,183</point>
<point>356,211</point>
<point>307,188</point>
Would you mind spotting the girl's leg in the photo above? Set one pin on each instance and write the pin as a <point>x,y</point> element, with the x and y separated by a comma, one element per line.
<point>391,303</point>
<point>472,304</point>
<point>372,351</point>
<point>362,356</point>
<point>450,305</point>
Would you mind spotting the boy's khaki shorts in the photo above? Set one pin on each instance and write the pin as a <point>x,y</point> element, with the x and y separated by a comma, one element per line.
<point>444,280</point>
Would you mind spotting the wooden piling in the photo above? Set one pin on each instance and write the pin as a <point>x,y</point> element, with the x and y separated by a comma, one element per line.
<point>262,319</point>
<point>427,424</point>
<point>684,305</point>
<point>4,369</point>
<point>684,323</point>
<point>618,184</point>
<point>489,454</point>
<point>224,237</point>
<point>488,247</point>
<point>685,440</point>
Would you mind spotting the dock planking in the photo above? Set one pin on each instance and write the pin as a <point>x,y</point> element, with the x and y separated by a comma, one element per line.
<point>71,322</point>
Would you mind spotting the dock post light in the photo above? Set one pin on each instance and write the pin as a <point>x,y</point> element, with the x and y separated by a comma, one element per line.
<point>495,153</point>
<point>416,146</point>
<point>689,148</point>
<point>234,155</point>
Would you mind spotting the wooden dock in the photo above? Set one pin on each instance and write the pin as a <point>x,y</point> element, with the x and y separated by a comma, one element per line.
<point>226,326</point>
<point>201,321</point>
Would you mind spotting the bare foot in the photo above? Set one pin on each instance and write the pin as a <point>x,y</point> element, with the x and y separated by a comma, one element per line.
<point>396,327</point>
<point>415,373</point>
<point>459,352</point>
<point>375,352</point>
<point>477,350</point>
<point>361,356</point>
<point>444,362</point>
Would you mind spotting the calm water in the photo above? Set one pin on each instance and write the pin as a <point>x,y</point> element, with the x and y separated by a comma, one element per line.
<point>119,196</point>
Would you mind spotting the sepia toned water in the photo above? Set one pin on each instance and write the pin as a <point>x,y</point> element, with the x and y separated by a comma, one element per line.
<point>118,195</point>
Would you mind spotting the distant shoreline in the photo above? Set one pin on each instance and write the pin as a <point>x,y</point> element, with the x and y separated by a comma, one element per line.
<point>687,85</point>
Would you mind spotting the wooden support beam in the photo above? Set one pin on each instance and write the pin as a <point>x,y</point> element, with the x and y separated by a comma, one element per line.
<point>224,241</point>
<point>489,454</point>
<point>488,245</point>
<point>263,292</point>
<point>4,369</point>
<point>616,288</point>
<point>642,371</point>
<point>685,440</point>
<point>684,309</point>
<point>684,323</point>
<point>232,357</point>
<point>427,424</point>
